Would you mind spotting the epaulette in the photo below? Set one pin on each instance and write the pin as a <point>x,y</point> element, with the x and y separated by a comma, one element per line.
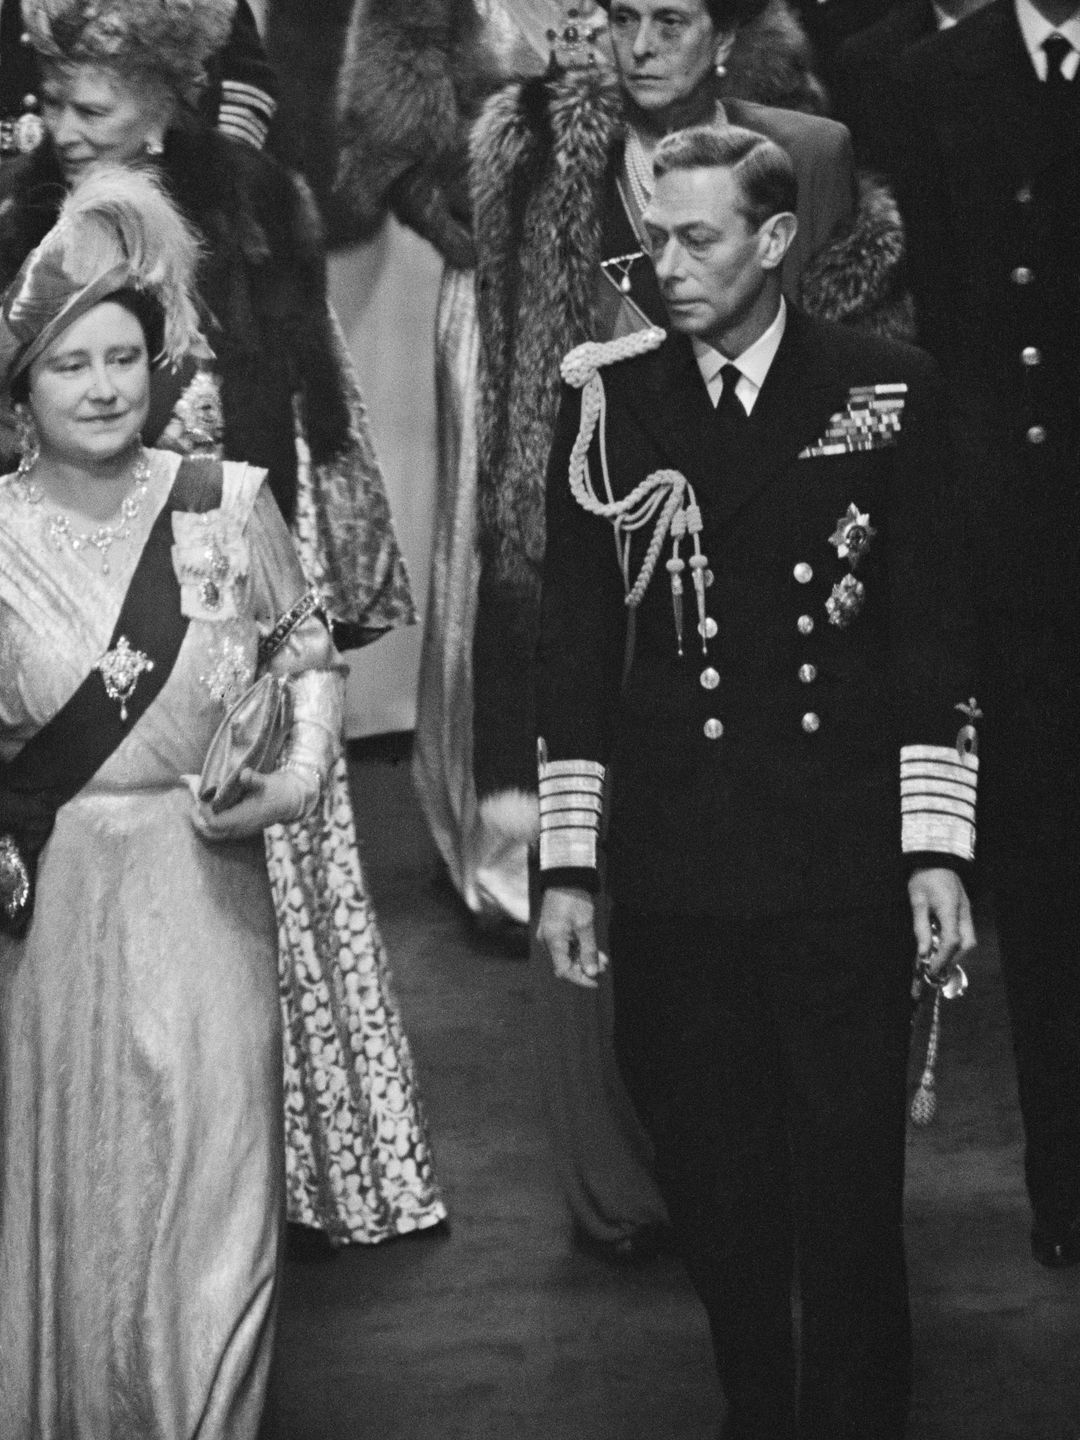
<point>582,363</point>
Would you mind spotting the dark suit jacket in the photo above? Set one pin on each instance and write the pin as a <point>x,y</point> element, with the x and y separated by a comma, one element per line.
<point>773,816</point>
<point>988,174</point>
<point>860,67</point>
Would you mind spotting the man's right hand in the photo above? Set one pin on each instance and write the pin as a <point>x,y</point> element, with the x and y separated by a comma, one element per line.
<point>567,927</point>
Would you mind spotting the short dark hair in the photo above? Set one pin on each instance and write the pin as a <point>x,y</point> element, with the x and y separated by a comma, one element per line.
<point>724,14</point>
<point>763,170</point>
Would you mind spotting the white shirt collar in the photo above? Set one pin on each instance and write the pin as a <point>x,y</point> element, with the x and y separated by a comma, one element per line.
<point>1035,28</point>
<point>754,362</point>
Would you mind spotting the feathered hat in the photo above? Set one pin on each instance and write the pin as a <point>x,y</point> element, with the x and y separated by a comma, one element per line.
<point>117,230</point>
<point>170,38</point>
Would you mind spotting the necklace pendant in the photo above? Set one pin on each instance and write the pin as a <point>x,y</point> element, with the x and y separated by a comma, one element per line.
<point>624,284</point>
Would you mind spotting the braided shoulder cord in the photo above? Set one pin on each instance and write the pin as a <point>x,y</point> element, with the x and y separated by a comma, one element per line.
<point>666,491</point>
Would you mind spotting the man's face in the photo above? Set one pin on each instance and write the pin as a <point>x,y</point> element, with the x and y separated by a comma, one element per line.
<point>663,49</point>
<point>708,256</point>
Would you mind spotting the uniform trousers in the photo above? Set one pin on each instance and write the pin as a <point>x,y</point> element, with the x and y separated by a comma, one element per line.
<point>1031,840</point>
<point>768,1063</point>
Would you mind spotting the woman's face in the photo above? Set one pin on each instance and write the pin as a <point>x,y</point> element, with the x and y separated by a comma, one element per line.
<point>95,114</point>
<point>663,49</point>
<point>90,390</point>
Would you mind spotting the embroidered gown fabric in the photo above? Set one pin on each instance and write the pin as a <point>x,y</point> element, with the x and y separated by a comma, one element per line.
<point>141,1175</point>
<point>358,1160</point>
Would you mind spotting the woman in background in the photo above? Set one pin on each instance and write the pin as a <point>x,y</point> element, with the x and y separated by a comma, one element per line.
<point>121,83</point>
<point>141,1175</point>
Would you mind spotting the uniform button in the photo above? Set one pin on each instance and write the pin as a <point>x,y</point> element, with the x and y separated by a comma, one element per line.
<point>713,729</point>
<point>811,723</point>
<point>710,678</point>
<point>1036,435</point>
<point>1023,195</point>
<point>708,628</point>
<point>803,572</point>
<point>805,624</point>
<point>1022,275</point>
<point>807,674</point>
<point>1030,355</point>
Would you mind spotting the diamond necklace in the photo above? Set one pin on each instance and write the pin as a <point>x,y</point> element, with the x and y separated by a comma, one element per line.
<point>102,538</point>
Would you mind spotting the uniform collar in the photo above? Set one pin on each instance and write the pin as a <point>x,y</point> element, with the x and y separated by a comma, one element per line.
<point>754,362</point>
<point>1035,28</point>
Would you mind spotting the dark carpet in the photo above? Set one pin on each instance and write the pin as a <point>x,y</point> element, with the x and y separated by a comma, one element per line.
<point>501,1330</point>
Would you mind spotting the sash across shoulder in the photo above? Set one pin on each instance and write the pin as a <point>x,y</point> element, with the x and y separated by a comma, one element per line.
<point>69,750</point>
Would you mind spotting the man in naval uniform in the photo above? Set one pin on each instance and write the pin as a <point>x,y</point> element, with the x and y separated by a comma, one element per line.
<point>790,740</point>
<point>985,133</point>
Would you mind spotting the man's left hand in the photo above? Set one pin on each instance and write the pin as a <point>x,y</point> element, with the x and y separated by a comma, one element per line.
<point>939,895</point>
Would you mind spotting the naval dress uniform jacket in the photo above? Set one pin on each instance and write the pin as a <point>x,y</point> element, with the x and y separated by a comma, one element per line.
<point>988,177</point>
<point>761,945</point>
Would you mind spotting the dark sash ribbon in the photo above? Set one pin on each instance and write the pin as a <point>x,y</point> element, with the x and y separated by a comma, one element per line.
<point>71,748</point>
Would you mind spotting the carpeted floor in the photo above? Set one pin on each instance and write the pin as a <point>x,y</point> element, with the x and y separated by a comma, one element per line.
<point>502,1331</point>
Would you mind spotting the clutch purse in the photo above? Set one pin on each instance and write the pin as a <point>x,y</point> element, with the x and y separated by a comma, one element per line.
<point>251,736</point>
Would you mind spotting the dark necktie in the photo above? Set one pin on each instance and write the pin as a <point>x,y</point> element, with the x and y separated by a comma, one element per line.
<point>1056,48</point>
<point>729,408</point>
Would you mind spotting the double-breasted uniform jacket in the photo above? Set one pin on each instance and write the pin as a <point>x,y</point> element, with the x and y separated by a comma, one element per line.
<point>987,165</point>
<point>545,157</point>
<point>763,774</point>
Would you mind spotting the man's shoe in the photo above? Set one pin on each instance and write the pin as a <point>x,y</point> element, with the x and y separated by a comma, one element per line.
<point>1057,1246</point>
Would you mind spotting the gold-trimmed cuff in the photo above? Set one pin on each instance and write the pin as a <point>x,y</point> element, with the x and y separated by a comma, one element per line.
<point>571,802</point>
<point>938,787</point>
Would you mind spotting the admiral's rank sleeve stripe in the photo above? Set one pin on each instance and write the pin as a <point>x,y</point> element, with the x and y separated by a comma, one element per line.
<point>245,112</point>
<point>571,799</point>
<point>937,800</point>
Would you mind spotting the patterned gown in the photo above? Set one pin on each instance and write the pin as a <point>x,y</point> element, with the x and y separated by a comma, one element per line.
<point>141,1176</point>
<point>358,1160</point>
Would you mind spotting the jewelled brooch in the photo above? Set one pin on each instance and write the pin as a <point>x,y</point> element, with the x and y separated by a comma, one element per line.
<point>846,601</point>
<point>852,535</point>
<point>120,669</point>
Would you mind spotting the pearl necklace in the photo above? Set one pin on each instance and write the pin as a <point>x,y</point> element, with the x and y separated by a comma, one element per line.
<point>61,532</point>
<point>638,163</point>
<point>638,170</point>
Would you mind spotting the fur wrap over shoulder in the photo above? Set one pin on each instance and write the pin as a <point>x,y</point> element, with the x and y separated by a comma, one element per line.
<point>261,284</point>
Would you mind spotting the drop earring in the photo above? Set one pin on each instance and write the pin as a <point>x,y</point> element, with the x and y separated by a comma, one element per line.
<point>29,445</point>
<point>154,147</point>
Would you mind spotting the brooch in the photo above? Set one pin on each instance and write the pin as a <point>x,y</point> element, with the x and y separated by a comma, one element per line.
<point>14,878</point>
<point>845,602</point>
<point>852,535</point>
<point>120,669</point>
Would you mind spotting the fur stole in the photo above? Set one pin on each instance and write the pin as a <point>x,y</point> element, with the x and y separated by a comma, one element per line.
<point>858,278</point>
<point>414,75</point>
<point>262,290</point>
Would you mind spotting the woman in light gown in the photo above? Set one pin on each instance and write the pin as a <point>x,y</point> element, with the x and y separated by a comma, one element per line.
<point>141,1147</point>
<point>120,82</point>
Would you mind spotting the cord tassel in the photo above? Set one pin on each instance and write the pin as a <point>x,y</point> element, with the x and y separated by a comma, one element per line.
<point>924,1103</point>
